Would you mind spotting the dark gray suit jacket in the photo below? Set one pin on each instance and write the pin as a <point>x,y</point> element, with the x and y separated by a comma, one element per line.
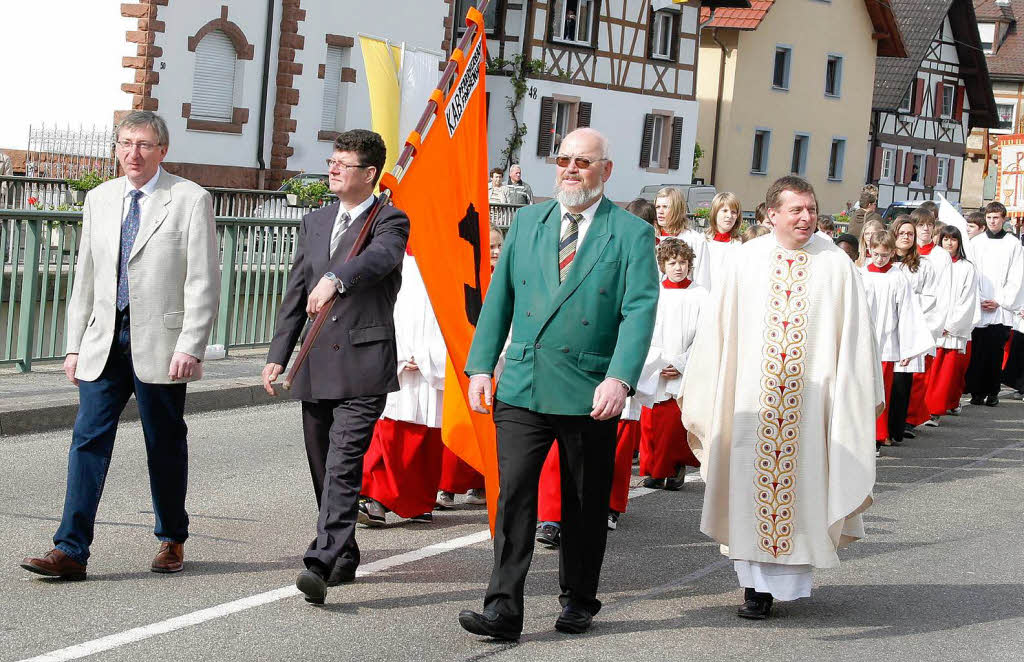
<point>355,353</point>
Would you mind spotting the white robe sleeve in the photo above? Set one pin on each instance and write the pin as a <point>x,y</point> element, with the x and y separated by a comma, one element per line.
<point>964,301</point>
<point>939,285</point>
<point>1011,295</point>
<point>912,328</point>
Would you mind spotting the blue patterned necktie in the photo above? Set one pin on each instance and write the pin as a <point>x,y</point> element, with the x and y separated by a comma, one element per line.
<point>129,230</point>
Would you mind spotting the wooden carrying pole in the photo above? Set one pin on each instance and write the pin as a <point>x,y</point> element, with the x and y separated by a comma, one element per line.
<point>408,153</point>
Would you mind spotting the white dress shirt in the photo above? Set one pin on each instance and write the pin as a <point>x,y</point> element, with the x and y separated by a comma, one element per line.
<point>147,192</point>
<point>584,224</point>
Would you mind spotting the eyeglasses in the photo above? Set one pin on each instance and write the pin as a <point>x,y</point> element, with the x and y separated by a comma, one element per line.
<point>128,146</point>
<point>334,163</point>
<point>581,161</point>
<point>905,235</point>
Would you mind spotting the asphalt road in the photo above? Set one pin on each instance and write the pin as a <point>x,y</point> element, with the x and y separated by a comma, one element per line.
<point>939,576</point>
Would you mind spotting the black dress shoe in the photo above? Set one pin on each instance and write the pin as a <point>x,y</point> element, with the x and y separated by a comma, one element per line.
<point>573,620</point>
<point>549,534</point>
<point>489,624</point>
<point>757,606</point>
<point>977,400</point>
<point>313,585</point>
<point>654,483</point>
<point>341,574</point>
<point>992,401</point>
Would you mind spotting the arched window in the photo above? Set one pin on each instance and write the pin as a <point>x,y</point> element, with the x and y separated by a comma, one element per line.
<point>213,80</point>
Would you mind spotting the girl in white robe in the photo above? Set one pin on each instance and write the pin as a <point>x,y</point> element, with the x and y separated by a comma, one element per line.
<point>670,211</point>
<point>723,233</point>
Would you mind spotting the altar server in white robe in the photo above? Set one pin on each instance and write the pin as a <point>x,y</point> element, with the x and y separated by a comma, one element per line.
<point>779,397</point>
<point>723,235</point>
<point>402,467</point>
<point>999,258</point>
<point>672,221</point>
<point>901,332</point>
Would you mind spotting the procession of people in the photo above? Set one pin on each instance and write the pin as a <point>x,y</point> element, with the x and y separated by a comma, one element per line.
<point>775,359</point>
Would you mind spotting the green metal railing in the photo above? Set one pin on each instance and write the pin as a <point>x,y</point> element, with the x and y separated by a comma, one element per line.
<point>39,251</point>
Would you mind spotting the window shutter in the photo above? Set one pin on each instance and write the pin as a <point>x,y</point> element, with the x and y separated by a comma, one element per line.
<point>332,89</point>
<point>674,50</point>
<point>937,100</point>
<point>931,171</point>
<point>650,33</point>
<point>899,171</point>
<point>645,141</point>
<point>547,109</point>
<point>918,96</point>
<point>876,167</point>
<point>213,79</point>
<point>958,104</point>
<point>583,114</point>
<point>676,148</point>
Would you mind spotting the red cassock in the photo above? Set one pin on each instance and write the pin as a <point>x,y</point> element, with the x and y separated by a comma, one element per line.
<point>549,490</point>
<point>882,422</point>
<point>402,467</point>
<point>457,476</point>
<point>947,380</point>
<point>917,412</point>
<point>663,446</point>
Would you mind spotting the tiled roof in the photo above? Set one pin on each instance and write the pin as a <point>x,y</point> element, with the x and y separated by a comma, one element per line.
<point>1008,60</point>
<point>739,19</point>
<point>990,10</point>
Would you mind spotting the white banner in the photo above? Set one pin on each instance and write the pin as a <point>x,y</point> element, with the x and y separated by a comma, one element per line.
<point>420,73</point>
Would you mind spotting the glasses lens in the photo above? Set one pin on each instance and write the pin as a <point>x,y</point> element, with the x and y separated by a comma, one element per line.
<point>582,163</point>
<point>562,161</point>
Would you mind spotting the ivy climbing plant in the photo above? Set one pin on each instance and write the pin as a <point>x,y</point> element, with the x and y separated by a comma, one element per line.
<point>519,70</point>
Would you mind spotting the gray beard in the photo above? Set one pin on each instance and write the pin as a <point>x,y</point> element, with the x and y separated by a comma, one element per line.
<point>577,197</point>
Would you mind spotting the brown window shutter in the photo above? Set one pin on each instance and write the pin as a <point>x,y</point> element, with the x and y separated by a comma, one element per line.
<point>958,104</point>
<point>645,141</point>
<point>676,149</point>
<point>918,96</point>
<point>931,170</point>
<point>650,33</point>
<point>547,109</point>
<point>676,27</point>
<point>583,115</point>
<point>937,100</point>
<point>876,166</point>
<point>898,173</point>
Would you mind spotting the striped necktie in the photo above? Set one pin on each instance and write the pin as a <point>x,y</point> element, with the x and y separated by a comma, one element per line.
<point>339,229</point>
<point>567,245</point>
<point>129,230</point>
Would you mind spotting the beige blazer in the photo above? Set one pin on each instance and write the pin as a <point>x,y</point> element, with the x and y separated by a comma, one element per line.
<point>173,278</point>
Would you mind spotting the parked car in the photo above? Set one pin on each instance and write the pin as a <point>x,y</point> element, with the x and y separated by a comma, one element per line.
<point>906,207</point>
<point>697,196</point>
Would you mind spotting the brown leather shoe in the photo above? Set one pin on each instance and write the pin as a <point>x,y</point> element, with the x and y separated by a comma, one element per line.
<point>55,564</point>
<point>170,558</point>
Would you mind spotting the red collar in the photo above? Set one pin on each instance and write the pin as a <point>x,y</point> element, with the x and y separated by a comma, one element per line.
<point>669,285</point>
<point>879,270</point>
<point>955,258</point>
<point>926,249</point>
<point>662,233</point>
<point>723,237</point>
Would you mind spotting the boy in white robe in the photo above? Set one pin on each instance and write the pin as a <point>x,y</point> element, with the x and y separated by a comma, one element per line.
<point>402,467</point>
<point>672,221</point>
<point>779,397</point>
<point>999,258</point>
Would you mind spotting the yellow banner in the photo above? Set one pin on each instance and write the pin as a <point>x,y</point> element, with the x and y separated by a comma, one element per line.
<point>383,66</point>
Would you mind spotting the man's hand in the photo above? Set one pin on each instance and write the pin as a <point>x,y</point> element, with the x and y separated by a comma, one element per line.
<point>480,393</point>
<point>70,365</point>
<point>183,366</point>
<point>411,366</point>
<point>609,399</point>
<point>271,372</point>
<point>669,372</point>
<point>321,294</point>
<point>904,363</point>
<point>988,305</point>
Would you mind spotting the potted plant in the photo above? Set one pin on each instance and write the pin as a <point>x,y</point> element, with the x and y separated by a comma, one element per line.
<point>305,193</point>
<point>82,185</point>
<point>702,215</point>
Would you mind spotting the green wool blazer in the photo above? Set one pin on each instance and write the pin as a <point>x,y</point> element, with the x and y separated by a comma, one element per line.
<point>568,337</point>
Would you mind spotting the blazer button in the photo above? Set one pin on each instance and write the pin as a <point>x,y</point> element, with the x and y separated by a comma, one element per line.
<point>336,347</point>
<point>585,322</point>
<point>334,318</point>
<point>524,282</point>
<point>601,291</point>
<point>529,314</point>
<point>537,346</point>
<point>565,350</point>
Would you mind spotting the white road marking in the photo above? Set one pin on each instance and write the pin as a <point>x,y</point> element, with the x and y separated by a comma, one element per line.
<point>219,611</point>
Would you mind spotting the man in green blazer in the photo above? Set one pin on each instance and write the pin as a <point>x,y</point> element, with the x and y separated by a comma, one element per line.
<point>577,284</point>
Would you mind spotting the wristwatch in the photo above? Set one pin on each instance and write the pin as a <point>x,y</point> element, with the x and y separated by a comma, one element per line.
<point>338,285</point>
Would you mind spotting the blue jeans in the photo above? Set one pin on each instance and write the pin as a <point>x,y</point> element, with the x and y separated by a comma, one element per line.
<point>161,409</point>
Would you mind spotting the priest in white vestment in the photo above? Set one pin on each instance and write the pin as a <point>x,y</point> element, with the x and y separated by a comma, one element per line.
<point>780,397</point>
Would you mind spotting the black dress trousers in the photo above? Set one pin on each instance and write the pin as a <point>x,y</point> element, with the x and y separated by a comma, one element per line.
<point>586,454</point>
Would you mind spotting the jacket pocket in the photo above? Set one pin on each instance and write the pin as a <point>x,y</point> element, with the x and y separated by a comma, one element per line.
<point>606,266</point>
<point>516,351</point>
<point>592,362</point>
<point>168,236</point>
<point>173,320</point>
<point>368,334</point>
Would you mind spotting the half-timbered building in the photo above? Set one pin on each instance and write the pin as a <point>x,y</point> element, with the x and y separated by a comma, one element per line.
<point>925,105</point>
<point>625,67</point>
<point>785,88</point>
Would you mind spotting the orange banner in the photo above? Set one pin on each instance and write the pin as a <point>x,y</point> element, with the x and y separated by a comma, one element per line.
<point>444,192</point>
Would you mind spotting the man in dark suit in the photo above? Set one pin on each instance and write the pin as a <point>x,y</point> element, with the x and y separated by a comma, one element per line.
<point>352,367</point>
<point>577,283</point>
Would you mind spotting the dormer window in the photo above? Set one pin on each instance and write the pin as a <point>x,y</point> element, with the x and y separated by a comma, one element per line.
<point>988,37</point>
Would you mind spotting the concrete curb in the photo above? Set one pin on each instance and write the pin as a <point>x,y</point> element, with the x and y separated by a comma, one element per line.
<point>60,411</point>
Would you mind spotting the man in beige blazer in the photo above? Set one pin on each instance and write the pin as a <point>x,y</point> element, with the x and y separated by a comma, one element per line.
<point>144,301</point>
